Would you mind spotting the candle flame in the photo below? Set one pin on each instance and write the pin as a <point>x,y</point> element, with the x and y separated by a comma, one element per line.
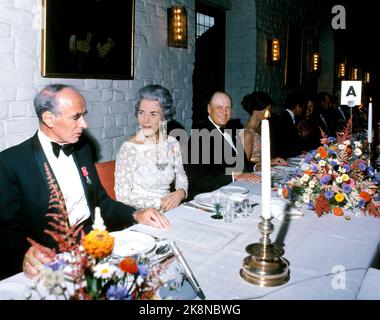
<point>266,114</point>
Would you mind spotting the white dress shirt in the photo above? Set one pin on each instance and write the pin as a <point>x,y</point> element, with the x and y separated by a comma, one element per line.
<point>292,115</point>
<point>226,135</point>
<point>68,178</point>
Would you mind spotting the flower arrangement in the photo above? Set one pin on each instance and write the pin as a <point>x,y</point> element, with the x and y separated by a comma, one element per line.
<point>336,178</point>
<point>84,268</point>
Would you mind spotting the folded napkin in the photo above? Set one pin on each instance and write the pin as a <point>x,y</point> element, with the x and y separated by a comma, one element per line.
<point>284,210</point>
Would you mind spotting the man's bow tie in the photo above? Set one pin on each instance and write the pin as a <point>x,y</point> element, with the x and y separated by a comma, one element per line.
<point>66,148</point>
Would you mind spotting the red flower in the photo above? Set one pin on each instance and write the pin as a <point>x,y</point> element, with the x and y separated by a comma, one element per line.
<point>321,205</point>
<point>128,265</point>
<point>84,172</point>
<point>338,211</point>
<point>365,196</point>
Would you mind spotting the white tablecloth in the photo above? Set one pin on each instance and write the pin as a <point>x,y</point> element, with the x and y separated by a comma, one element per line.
<point>328,256</point>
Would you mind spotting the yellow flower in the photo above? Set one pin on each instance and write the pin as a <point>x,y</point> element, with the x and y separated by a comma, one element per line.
<point>98,244</point>
<point>345,177</point>
<point>339,197</point>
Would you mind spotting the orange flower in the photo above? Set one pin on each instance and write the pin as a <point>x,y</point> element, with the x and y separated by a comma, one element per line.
<point>338,211</point>
<point>285,193</point>
<point>128,265</point>
<point>365,196</point>
<point>98,244</point>
<point>322,152</point>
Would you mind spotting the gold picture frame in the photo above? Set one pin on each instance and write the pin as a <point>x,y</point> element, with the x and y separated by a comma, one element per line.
<point>88,39</point>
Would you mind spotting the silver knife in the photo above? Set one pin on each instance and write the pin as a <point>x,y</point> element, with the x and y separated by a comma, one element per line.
<point>192,205</point>
<point>190,276</point>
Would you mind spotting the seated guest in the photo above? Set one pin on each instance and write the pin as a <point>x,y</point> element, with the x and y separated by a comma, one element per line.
<point>257,104</point>
<point>308,127</point>
<point>216,158</point>
<point>326,118</point>
<point>287,141</point>
<point>140,180</point>
<point>24,199</point>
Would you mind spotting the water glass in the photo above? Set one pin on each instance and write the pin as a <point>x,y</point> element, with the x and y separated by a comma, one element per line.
<point>229,212</point>
<point>247,206</point>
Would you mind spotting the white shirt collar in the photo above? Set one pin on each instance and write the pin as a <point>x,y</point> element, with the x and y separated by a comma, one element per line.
<point>292,115</point>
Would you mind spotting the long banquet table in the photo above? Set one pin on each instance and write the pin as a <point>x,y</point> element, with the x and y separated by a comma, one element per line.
<point>316,248</point>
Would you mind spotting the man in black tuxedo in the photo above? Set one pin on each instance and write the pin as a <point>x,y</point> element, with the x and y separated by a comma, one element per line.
<point>24,191</point>
<point>287,141</point>
<point>216,157</point>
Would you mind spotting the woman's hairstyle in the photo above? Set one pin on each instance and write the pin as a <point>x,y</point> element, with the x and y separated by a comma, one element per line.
<point>157,93</point>
<point>256,101</point>
<point>46,99</point>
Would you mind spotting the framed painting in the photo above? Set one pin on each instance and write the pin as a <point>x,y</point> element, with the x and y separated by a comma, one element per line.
<point>294,56</point>
<point>89,39</point>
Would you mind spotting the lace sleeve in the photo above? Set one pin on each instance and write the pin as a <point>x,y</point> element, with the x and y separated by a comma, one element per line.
<point>181,181</point>
<point>126,164</point>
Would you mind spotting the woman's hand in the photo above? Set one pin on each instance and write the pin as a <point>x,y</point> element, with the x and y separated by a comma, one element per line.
<point>172,200</point>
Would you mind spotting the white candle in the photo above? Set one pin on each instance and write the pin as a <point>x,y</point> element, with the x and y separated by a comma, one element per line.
<point>265,170</point>
<point>369,131</point>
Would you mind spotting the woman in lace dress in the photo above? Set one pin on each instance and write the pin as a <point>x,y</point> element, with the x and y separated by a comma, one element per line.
<point>146,165</point>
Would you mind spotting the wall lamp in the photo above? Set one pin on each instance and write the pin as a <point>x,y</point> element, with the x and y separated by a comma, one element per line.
<point>367,77</point>
<point>342,70</point>
<point>274,50</point>
<point>355,74</point>
<point>315,62</point>
<point>177,27</point>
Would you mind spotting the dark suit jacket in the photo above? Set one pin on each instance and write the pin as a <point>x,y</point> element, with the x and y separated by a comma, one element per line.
<point>207,176</point>
<point>24,200</point>
<point>286,139</point>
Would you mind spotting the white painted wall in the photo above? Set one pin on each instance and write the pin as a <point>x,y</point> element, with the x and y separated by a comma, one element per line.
<point>110,102</point>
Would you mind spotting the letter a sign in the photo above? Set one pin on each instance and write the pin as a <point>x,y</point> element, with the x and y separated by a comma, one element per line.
<point>351,93</point>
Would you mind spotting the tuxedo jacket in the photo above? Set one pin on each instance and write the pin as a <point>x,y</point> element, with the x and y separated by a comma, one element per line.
<point>24,200</point>
<point>210,173</point>
<point>286,139</point>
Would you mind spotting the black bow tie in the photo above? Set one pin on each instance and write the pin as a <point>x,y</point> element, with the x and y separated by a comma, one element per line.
<point>66,148</point>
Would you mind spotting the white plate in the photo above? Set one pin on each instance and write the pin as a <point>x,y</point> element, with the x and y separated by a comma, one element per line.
<point>234,189</point>
<point>132,242</point>
<point>204,199</point>
<point>12,290</point>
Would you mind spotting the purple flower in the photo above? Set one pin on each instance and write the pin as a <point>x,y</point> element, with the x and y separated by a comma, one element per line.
<point>346,188</point>
<point>377,176</point>
<point>143,270</point>
<point>310,206</point>
<point>361,203</point>
<point>56,265</point>
<point>325,179</point>
<point>115,292</point>
<point>333,163</point>
<point>362,166</point>
<point>314,168</point>
<point>370,170</point>
<point>347,168</point>
<point>329,194</point>
<point>331,152</point>
<point>331,139</point>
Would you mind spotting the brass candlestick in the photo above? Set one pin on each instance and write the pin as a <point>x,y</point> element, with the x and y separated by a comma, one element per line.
<point>265,266</point>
